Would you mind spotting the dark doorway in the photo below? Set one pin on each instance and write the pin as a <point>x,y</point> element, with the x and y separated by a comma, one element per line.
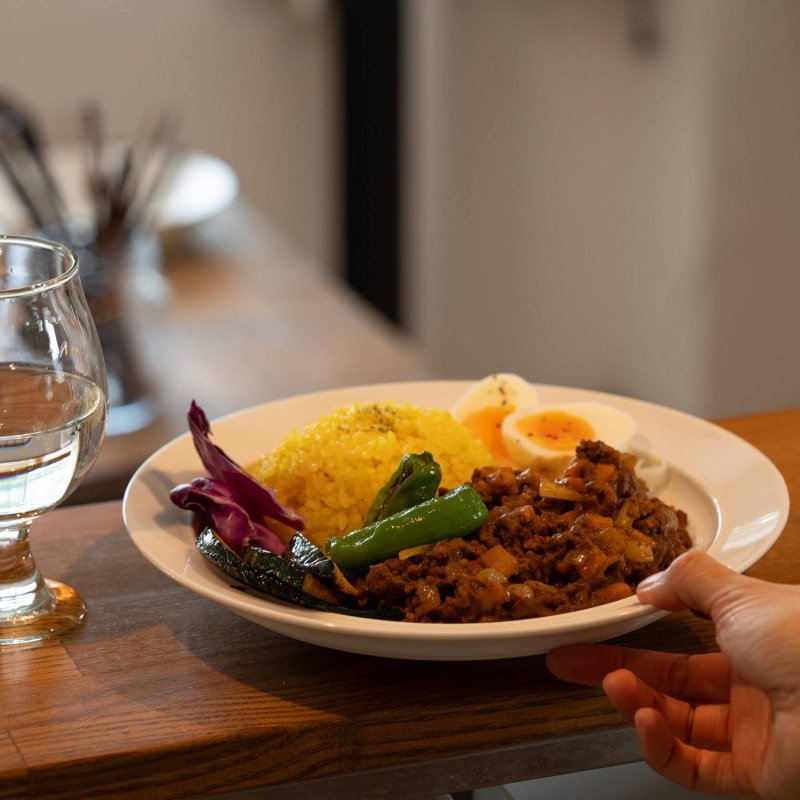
<point>370,47</point>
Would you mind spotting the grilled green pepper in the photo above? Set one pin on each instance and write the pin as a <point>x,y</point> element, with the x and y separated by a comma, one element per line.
<point>456,513</point>
<point>415,480</point>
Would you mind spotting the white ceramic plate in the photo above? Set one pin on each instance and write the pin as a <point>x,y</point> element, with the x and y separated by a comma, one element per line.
<point>200,187</point>
<point>736,500</point>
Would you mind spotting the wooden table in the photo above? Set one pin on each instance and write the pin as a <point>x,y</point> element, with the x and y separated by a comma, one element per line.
<point>163,694</point>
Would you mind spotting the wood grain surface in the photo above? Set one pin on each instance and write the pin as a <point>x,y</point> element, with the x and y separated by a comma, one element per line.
<point>163,694</point>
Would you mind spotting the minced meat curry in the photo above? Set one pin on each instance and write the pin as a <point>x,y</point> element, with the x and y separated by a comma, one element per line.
<point>549,546</point>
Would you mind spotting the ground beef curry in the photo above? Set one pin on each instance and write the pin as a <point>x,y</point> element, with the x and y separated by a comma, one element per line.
<point>550,545</point>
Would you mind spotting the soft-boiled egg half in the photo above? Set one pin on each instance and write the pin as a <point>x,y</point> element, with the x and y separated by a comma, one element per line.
<point>483,408</point>
<point>535,433</point>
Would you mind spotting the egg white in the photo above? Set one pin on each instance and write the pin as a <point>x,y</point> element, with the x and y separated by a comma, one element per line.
<point>495,391</point>
<point>608,424</point>
<point>483,407</point>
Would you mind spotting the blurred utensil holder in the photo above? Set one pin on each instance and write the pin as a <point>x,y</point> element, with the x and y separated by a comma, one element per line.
<point>123,283</point>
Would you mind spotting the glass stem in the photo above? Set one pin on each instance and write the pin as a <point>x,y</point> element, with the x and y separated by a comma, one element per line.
<point>23,592</point>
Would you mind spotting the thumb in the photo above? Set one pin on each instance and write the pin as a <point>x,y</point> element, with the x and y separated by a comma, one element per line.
<point>694,580</point>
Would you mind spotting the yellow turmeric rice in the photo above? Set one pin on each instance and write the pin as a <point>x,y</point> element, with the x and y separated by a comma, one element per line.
<point>331,470</point>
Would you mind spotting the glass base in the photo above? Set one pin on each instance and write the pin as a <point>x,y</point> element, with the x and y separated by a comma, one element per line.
<point>62,615</point>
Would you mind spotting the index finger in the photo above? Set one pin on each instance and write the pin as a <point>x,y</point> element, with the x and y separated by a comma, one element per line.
<point>703,678</point>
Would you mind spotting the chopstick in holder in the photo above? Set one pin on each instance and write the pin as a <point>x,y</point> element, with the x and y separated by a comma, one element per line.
<point>19,186</point>
<point>25,147</point>
<point>125,181</point>
<point>161,148</point>
<point>33,144</point>
<point>97,184</point>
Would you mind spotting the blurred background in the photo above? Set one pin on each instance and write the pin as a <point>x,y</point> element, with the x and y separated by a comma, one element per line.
<point>599,193</point>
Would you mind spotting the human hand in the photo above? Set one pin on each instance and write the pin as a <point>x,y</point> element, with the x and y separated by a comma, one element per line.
<point>723,723</point>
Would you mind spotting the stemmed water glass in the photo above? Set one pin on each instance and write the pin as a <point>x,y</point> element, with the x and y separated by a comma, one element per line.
<point>53,410</point>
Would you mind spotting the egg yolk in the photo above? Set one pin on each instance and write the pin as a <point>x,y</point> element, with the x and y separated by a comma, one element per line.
<point>486,424</point>
<point>555,430</point>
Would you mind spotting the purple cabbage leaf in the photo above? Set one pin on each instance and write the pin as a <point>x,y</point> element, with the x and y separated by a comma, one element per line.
<point>231,500</point>
<point>217,507</point>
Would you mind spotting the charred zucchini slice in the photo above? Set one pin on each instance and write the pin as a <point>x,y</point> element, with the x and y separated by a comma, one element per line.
<point>309,557</point>
<point>274,575</point>
<point>274,568</point>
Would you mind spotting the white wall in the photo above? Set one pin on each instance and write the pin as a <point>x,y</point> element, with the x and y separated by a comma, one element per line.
<point>755,258</point>
<point>585,214</point>
<point>252,81</point>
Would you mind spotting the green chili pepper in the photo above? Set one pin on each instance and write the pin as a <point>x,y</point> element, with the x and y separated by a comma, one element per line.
<point>456,513</point>
<point>415,480</point>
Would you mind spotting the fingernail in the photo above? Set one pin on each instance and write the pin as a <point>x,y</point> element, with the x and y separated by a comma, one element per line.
<point>650,583</point>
